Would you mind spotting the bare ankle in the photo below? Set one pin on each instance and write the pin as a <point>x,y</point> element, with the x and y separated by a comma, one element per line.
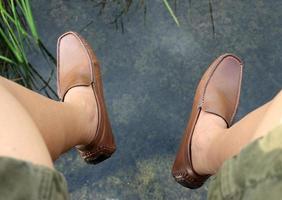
<point>207,130</point>
<point>84,102</point>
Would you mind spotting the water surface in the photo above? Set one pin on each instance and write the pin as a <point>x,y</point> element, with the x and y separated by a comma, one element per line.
<point>150,70</point>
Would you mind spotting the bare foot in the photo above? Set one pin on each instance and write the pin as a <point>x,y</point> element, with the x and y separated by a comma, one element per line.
<point>83,99</point>
<point>207,129</point>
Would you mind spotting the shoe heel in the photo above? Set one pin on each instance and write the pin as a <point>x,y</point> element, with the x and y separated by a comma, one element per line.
<point>100,150</point>
<point>95,157</point>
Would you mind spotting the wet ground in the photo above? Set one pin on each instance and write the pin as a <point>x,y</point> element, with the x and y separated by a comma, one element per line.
<point>150,70</point>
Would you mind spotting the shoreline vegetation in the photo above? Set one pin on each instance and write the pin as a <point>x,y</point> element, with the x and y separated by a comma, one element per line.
<point>125,5</point>
<point>18,34</point>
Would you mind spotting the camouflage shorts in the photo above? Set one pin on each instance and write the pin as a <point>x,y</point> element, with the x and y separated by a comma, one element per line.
<point>256,173</point>
<point>20,180</point>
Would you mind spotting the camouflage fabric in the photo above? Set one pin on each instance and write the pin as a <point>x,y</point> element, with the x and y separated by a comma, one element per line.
<point>20,180</point>
<point>256,173</point>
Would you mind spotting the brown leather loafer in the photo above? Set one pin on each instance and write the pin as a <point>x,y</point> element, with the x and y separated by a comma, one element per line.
<point>78,66</point>
<point>217,93</point>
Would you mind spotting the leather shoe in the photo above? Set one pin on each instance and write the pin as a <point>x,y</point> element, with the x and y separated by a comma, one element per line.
<point>78,66</point>
<point>218,93</point>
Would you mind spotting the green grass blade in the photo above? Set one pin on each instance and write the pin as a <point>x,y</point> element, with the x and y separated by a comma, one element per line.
<point>9,41</point>
<point>5,59</point>
<point>14,22</point>
<point>26,10</point>
<point>20,36</point>
<point>171,12</point>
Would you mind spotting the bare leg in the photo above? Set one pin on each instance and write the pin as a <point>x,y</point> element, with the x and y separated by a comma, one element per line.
<point>19,136</point>
<point>62,125</point>
<point>213,143</point>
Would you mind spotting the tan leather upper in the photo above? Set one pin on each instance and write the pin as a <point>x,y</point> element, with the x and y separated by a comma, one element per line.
<point>218,93</point>
<point>74,64</point>
<point>223,90</point>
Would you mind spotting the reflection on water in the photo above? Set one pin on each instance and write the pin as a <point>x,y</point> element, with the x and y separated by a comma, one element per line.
<point>150,72</point>
<point>117,9</point>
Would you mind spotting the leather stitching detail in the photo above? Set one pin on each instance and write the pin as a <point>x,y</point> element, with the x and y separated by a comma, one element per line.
<point>99,149</point>
<point>184,176</point>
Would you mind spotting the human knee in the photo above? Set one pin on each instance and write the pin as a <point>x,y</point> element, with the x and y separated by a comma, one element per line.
<point>278,96</point>
<point>2,79</point>
<point>2,88</point>
<point>4,92</point>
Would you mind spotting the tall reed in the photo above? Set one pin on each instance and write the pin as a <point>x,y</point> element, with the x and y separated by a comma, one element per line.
<point>18,32</point>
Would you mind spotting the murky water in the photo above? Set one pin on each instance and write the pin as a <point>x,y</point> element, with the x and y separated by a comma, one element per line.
<point>150,70</point>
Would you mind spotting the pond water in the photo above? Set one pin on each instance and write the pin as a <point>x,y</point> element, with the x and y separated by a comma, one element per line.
<point>150,70</point>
